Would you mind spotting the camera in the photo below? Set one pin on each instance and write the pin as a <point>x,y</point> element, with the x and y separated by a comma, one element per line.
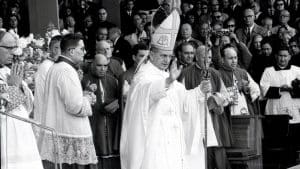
<point>221,32</point>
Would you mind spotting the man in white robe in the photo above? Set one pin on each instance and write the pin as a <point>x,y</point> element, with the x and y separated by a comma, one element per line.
<point>66,110</point>
<point>276,86</point>
<point>156,107</point>
<point>40,76</point>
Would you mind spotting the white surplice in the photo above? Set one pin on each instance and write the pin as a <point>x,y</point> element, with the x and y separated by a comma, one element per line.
<point>285,104</point>
<point>153,134</point>
<point>39,91</point>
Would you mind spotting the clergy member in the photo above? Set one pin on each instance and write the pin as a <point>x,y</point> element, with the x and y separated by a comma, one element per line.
<point>280,86</point>
<point>105,112</point>
<point>40,76</point>
<point>152,130</point>
<point>241,87</point>
<point>66,110</point>
<point>191,77</point>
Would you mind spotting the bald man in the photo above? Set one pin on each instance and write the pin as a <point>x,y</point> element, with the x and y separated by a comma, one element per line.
<point>114,67</point>
<point>105,111</point>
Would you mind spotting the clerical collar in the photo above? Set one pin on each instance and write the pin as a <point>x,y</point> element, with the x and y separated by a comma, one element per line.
<point>67,60</point>
<point>277,68</point>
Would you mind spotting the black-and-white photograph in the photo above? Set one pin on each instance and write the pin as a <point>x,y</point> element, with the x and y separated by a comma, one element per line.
<point>150,84</point>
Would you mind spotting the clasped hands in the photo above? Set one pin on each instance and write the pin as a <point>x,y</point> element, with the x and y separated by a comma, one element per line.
<point>90,96</point>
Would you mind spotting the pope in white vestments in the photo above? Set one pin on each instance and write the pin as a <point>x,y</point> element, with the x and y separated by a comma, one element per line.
<point>153,134</point>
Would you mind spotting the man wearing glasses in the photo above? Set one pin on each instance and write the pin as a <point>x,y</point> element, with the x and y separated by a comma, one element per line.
<point>249,29</point>
<point>284,18</point>
<point>66,110</point>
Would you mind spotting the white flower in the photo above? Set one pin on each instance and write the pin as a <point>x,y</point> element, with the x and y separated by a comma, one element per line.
<point>30,38</point>
<point>18,51</point>
<point>22,42</point>
<point>39,42</point>
<point>64,32</point>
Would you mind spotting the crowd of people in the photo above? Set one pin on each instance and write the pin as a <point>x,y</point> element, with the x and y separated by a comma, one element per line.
<point>145,94</point>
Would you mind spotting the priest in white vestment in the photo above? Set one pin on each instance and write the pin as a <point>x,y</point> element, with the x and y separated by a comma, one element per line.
<point>40,76</point>
<point>156,107</point>
<point>276,85</point>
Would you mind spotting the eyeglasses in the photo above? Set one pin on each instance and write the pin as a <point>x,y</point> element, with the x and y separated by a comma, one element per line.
<point>217,16</point>
<point>231,25</point>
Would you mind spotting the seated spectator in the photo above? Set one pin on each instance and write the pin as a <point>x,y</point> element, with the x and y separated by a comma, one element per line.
<point>13,25</point>
<point>277,85</point>
<point>70,24</point>
<point>244,55</point>
<point>230,24</point>
<point>225,6</point>
<point>205,14</point>
<point>295,51</point>
<point>101,20</point>
<point>190,19</point>
<point>262,61</point>
<point>284,18</point>
<point>279,6</point>
<point>246,33</point>
<point>122,47</point>
<point>88,32</point>
<point>185,8</point>
<point>127,14</point>
<point>186,35</point>
<point>101,34</point>
<point>255,46</point>
<point>201,32</point>
<point>267,23</point>
<point>257,13</point>
<point>216,12</point>
<point>138,35</point>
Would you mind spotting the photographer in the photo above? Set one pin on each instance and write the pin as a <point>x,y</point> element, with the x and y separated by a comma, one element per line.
<point>222,37</point>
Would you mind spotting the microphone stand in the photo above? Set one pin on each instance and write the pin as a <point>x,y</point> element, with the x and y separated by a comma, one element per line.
<point>3,103</point>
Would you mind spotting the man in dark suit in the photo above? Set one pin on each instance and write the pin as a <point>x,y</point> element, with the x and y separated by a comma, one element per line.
<point>122,48</point>
<point>235,11</point>
<point>102,19</point>
<point>127,13</point>
<point>186,36</point>
<point>249,29</point>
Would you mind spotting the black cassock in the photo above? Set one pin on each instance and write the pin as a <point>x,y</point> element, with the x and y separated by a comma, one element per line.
<point>104,124</point>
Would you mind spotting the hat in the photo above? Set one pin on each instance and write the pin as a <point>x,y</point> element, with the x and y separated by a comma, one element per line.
<point>164,36</point>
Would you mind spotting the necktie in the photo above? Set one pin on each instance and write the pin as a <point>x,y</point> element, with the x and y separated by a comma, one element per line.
<point>248,34</point>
